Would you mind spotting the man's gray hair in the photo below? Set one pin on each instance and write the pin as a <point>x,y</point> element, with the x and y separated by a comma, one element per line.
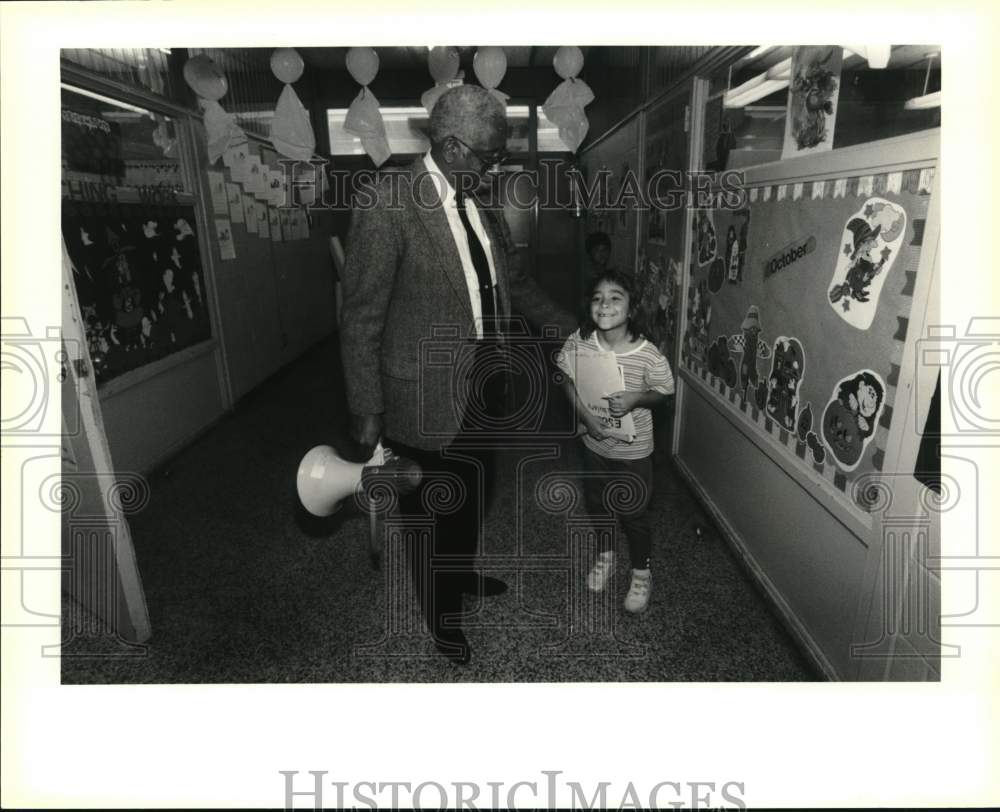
<point>466,112</point>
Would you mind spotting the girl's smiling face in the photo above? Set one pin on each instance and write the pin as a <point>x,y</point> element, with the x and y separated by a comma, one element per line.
<point>609,306</point>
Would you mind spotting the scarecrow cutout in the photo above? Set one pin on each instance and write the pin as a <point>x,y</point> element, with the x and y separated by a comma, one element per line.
<point>788,365</point>
<point>752,347</point>
<point>869,247</point>
<point>851,416</point>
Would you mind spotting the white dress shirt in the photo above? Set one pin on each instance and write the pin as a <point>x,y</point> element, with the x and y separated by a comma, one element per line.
<point>447,195</point>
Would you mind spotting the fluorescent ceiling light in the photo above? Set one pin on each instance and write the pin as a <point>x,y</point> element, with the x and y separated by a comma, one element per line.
<point>877,55</point>
<point>106,100</point>
<point>760,50</point>
<point>925,102</point>
<point>763,84</point>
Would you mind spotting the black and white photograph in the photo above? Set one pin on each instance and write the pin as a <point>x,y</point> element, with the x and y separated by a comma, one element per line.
<point>343,400</point>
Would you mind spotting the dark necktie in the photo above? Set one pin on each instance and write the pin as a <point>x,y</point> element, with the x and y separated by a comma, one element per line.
<point>487,296</point>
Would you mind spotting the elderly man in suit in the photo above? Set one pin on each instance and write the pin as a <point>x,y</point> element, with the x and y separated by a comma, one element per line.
<point>429,282</point>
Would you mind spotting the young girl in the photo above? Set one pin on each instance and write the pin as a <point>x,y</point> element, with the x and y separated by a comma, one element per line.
<point>611,322</point>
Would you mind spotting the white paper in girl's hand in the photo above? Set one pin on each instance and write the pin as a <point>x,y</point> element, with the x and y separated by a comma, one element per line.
<point>597,376</point>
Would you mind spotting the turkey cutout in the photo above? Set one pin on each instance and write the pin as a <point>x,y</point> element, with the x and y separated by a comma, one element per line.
<point>291,131</point>
<point>852,415</point>
<point>869,246</point>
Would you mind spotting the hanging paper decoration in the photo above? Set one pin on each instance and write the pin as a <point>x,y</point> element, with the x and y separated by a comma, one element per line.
<point>443,64</point>
<point>490,66</point>
<point>209,83</point>
<point>564,106</point>
<point>364,118</point>
<point>291,130</point>
<point>813,97</point>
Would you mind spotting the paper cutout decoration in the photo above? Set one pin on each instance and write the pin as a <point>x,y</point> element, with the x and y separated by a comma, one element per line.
<point>364,118</point>
<point>291,130</point>
<point>705,242</point>
<point>803,428</point>
<point>224,232</point>
<point>788,365</point>
<point>736,249</point>
<point>721,363</point>
<point>852,415</point>
<point>222,132</point>
<point>717,274</point>
<point>443,63</point>
<point>699,317</point>
<point>752,348</point>
<point>564,106</point>
<point>490,65</point>
<point>812,99</point>
<point>869,246</point>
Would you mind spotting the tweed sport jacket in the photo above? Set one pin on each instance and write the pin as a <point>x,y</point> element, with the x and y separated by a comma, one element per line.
<point>407,324</point>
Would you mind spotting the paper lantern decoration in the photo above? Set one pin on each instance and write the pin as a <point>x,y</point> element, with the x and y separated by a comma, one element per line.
<point>291,130</point>
<point>362,64</point>
<point>221,130</point>
<point>205,78</point>
<point>364,118</point>
<point>443,64</point>
<point>564,106</point>
<point>490,65</point>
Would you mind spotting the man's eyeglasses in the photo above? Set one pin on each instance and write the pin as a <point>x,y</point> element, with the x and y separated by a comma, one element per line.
<point>498,156</point>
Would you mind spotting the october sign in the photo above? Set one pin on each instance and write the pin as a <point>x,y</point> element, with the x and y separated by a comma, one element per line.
<point>789,254</point>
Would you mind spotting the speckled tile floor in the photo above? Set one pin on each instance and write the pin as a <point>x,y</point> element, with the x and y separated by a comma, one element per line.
<point>243,586</point>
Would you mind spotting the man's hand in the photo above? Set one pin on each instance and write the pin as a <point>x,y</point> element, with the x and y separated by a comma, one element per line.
<point>366,431</point>
<point>621,403</point>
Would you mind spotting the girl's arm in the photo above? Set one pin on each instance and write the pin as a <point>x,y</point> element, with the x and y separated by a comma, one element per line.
<point>621,403</point>
<point>594,427</point>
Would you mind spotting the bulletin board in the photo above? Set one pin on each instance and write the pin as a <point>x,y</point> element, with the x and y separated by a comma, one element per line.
<point>139,281</point>
<point>662,228</point>
<point>798,305</point>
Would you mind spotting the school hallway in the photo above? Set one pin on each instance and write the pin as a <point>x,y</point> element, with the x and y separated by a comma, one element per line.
<point>243,586</point>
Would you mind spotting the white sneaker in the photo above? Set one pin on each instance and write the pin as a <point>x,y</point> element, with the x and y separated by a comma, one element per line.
<point>601,571</point>
<point>638,594</point>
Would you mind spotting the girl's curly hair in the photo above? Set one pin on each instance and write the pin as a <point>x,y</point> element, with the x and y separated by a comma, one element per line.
<point>638,319</point>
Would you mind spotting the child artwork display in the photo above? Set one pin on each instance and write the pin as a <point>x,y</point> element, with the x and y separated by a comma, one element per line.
<point>217,188</point>
<point>139,281</point>
<point>812,99</point>
<point>851,416</point>
<point>224,233</point>
<point>871,242</point>
<point>808,251</point>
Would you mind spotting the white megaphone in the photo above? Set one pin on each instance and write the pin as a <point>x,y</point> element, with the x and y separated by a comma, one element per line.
<point>325,479</point>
